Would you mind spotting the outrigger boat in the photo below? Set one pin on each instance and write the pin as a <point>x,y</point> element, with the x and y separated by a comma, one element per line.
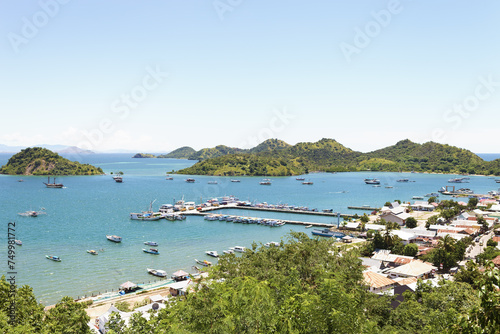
<point>53,258</point>
<point>92,252</point>
<point>153,251</point>
<point>204,263</point>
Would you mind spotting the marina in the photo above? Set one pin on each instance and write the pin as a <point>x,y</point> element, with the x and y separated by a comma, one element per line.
<point>95,207</point>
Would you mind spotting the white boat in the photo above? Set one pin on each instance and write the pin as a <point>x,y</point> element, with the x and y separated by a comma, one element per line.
<point>151,243</point>
<point>18,242</point>
<point>212,253</point>
<point>114,238</point>
<point>239,249</point>
<point>272,243</point>
<point>300,178</point>
<point>308,182</point>
<point>157,272</point>
<point>229,251</point>
<point>118,179</point>
<point>372,181</point>
<point>212,182</point>
<point>235,181</point>
<point>32,213</point>
<point>92,252</point>
<point>53,258</point>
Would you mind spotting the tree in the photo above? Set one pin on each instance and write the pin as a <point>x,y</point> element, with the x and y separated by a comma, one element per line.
<point>410,250</point>
<point>432,199</point>
<point>469,274</point>
<point>364,218</point>
<point>68,317</point>
<point>411,222</point>
<point>491,243</point>
<point>472,203</point>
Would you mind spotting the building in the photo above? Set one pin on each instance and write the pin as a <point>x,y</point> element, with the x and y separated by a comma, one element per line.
<point>417,268</point>
<point>378,283</point>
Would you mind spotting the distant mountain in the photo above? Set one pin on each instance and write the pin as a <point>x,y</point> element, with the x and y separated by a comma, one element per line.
<point>41,161</point>
<point>276,158</point>
<point>63,149</point>
<point>181,153</point>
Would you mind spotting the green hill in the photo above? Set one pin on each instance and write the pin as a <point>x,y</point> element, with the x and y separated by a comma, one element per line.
<point>269,145</point>
<point>181,153</point>
<point>214,152</point>
<point>40,161</point>
<point>274,158</point>
<point>144,155</point>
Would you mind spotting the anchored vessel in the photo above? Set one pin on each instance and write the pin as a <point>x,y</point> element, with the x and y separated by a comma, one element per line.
<point>53,184</point>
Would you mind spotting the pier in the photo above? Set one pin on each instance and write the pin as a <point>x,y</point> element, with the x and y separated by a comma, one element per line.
<point>362,208</point>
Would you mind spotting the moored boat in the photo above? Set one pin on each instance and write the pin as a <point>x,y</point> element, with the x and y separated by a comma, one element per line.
<point>151,243</point>
<point>114,238</point>
<point>18,242</point>
<point>157,272</point>
<point>118,179</point>
<point>53,258</point>
<point>235,181</point>
<point>300,178</point>
<point>92,252</point>
<point>308,182</point>
<point>190,180</point>
<point>265,182</point>
<point>272,243</point>
<point>153,251</point>
<point>229,251</point>
<point>240,249</point>
<point>204,263</point>
<point>212,253</point>
<point>327,233</point>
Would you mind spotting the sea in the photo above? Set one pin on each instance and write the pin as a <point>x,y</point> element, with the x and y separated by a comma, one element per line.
<point>80,215</point>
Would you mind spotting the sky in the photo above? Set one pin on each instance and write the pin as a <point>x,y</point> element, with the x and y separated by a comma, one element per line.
<point>151,76</point>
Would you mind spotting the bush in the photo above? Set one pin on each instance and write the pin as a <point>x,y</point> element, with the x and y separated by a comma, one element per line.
<point>492,243</point>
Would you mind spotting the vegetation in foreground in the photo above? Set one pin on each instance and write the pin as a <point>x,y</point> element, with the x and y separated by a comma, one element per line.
<point>41,161</point>
<point>303,286</point>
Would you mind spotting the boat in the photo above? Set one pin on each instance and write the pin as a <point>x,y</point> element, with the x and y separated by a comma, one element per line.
<point>464,191</point>
<point>189,180</point>
<point>417,197</point>
<point>32,213</point>
<point>169,178</point>
<point>235,181</point>
<point>239,249</point>
<point>459,180</point>
<point>18,242</point>
<point>20,180</point>
<point>92,252</point>
<point>151,243</point>
<point>147,215</point>
<point>497,180</point>
<point>372,181</point>
<point>151,251</point>
<point>212,182</point>
<point>272,243</point>
<point>265,182</point>
<point>300,178</point>
<point>53,184</point>
<point>442,190</point>
<point>308,182</point>
<point>157,272</point>
<point>327,233</point>
<point>403,180</point>
<point>229,251</point>
<point>389,187</point>
<point>204,263</point>
<point>212,253</point>
<point>118,179</point>
<point>53,258</point>
<point>309,226</point>
<point>114,238</point>
<point>376,186</point>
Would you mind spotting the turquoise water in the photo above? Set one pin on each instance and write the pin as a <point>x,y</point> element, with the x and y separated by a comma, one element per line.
<point>89,207</point>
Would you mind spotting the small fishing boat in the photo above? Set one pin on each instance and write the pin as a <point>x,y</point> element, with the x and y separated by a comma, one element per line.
<point>157,272</point>
<point>18,242</point>
<point>169,178</point>
<point>212,182</point>
<point>20,180</point>
<point>212,253</point>
<point>148,215</point>
<point>403,180</point>
<point>92,252</point>
<point>53,258</point>
<point>189,180</point>
<point>153,251</point>
<point>235,181</point>
<point>265,182</point>
<point>53,184</point>
<point>32,213</point>
<point>308,182</point>
<point>204,263</point>
<point>151,243</point>
<point>417,197</point>
<point>114,238</point>
<point>300,178</point>
<point>309,226</point>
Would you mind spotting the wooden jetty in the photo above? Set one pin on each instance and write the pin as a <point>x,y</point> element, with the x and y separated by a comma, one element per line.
<point>302,212</point>
<point>362,208</point>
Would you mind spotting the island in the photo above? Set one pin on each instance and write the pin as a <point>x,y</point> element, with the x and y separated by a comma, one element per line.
<point>144,155</point>
<point>276,158</point>
<point>41,161</point>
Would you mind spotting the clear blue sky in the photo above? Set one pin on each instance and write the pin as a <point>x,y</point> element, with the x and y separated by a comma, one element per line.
<point>423,70</point>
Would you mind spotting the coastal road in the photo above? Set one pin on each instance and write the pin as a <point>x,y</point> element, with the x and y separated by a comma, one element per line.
<point>478,247</point>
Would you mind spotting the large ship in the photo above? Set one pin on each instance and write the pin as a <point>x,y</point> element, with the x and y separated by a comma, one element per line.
<point>53,184</point>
